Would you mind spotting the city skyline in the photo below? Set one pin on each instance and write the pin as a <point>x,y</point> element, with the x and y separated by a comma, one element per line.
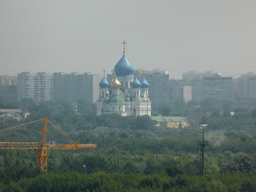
<point>85,36</point>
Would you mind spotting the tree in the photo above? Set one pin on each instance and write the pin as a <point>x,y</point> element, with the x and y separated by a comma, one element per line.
<point>151,166</point>
<point>226,114</point>
<point>204,120</point>
<point>211,104</point>
<point>129,167</point>
<point>226,105</point>
<point>165,110</point>
<point>173,171</point>
<point>244,163</point>
<point>254,113</point>
<point>215,114</point>
<point>142,122</point>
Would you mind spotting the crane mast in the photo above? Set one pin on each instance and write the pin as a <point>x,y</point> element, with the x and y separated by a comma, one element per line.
<point>41,150</point>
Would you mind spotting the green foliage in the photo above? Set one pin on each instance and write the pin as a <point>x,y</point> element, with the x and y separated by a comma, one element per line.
<point>165,110</point>
<point>215,114</point>
<point>101,181</point>
<point>130,167</point>
<point>173,171</point>
<point>132,153</point>
<point>204,120</point>
<point>254,113</point>
<point>211,104</point>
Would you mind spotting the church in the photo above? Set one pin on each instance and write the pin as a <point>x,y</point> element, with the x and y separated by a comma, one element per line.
<point>124,94</point>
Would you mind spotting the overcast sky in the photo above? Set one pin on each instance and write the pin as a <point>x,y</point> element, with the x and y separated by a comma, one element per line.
<point>86,35</point>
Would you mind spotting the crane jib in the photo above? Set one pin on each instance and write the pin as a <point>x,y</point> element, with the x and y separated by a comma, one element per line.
<point>41,149</point>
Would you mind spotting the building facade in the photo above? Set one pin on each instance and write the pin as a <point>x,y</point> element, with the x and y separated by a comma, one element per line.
<point>8,93</point>
<point>159,89</point>
<point>8,80</point>
<point>220,88</point>
<point>176,90</point>
<point>195,80</point>
<point>8,88</point>
<point>34,86</point>
<point>73,87</point>
<point>245,86</point>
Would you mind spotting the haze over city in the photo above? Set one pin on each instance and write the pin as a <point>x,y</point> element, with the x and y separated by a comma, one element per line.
<point>86,36</point>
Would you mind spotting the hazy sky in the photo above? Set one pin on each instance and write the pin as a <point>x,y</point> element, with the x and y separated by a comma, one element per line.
<point>86,35</point>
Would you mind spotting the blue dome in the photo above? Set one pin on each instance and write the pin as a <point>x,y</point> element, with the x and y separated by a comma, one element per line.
<point>142,95</point>
<point>104,83</point>
<point>135,84</point>
<point>128,95</point>
<point>124,68</point>
<point>144,84</point>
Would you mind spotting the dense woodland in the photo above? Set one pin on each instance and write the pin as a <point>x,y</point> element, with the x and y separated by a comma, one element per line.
<point>133,153</point>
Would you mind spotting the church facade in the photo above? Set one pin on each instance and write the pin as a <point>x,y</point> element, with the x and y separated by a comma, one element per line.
<point>124,94</point>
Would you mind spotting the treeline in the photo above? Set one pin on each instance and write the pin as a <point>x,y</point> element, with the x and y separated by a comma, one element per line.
<point>172,179</point>
<point>134,146</point>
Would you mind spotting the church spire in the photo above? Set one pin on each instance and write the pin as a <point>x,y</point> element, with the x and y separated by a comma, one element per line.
<point>124,46</point>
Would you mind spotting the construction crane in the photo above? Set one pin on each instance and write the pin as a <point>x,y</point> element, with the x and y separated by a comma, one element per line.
<point>41,149</point>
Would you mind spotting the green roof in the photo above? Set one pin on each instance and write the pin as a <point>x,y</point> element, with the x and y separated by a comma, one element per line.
<point>115,99</point>
<point>169,118</point>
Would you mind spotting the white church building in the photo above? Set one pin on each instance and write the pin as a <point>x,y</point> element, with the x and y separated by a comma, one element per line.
<point>125,94</point>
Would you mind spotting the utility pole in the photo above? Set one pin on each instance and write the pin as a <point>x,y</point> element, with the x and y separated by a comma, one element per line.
<point>202,144</point>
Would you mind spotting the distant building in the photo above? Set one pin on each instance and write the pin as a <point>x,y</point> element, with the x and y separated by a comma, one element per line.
<point>170,122</point>
<point>176,90</point>
<point>8,80</point>
<point>220,88</point>
<point>245,86</point>
<point>34,86</point>
<point>187,93</point>
<point>192,75</point>
<point>195,80</point>
<point>73,87</point>
<point>10,114</point>
<point>43,87</point>
<point>8,93</point>
<point>159,89</point>
<point>8,88</point>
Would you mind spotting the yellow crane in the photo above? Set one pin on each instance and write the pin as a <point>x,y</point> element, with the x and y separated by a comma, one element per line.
<point>41,149</point>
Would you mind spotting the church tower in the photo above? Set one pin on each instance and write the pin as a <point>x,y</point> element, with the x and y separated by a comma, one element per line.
<point>124,95</point>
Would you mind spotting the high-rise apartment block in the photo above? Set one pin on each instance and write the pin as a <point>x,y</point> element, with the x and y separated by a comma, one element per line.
<point>34,86</point>
<point>192,75</point>
<point>159,90</point>
<point>220,88</point>
<point>8,93</point>
<point>8,88</point>
<point>195,80</point>
<point>73,87</point>
<point>176,90</point>
<point>245,86</point>
<point>8,80</point>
